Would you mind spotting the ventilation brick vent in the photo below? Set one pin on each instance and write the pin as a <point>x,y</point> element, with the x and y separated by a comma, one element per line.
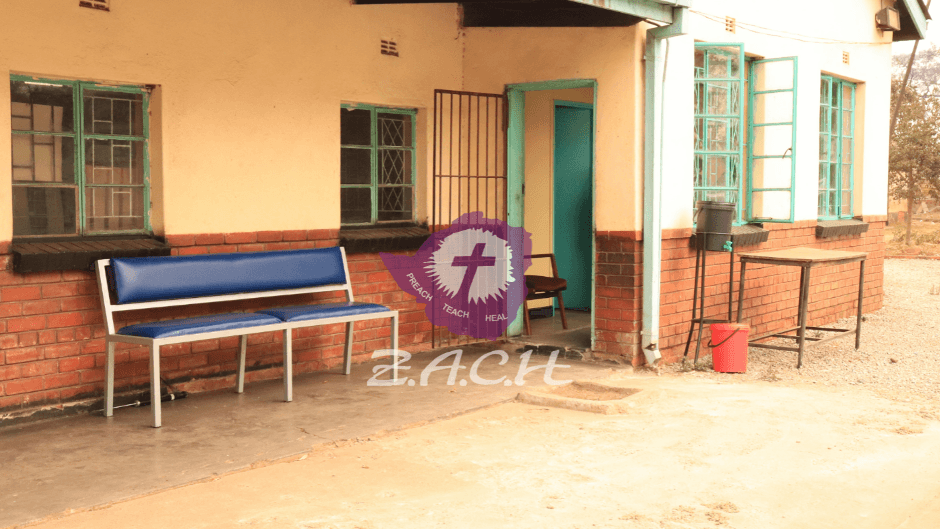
<point>389,47</point>
<point>102,5</point>
<point>730,24</point>
<point>846,57</point>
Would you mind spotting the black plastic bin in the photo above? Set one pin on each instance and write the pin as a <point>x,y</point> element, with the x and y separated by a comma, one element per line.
<point>714,222</point>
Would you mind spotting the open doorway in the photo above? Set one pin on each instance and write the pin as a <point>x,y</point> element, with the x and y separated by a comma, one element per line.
<point>551,165</point>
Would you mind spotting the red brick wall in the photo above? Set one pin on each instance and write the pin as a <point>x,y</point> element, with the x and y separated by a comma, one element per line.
<point>52,333</point>
<point>618,293</point>
<point>771,292</point>
<point>51,330</point>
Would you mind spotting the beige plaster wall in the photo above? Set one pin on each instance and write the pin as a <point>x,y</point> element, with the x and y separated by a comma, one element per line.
<point>494,58</point>
<point>246,125</point>
<point>245,131</point>
<point>539,157</point>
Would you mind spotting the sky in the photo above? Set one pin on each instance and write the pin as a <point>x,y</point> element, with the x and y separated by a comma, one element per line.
<point>934,33</point>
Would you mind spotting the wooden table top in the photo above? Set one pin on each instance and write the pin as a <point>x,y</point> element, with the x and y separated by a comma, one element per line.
<point>802,255</point>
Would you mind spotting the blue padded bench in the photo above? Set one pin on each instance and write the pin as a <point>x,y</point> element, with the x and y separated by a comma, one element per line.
<point>153,282</point>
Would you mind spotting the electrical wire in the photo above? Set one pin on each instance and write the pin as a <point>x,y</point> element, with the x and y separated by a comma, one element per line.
<point>754,28</point>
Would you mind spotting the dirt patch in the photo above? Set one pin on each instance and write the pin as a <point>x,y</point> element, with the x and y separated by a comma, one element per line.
<point>694,454</point>
<point>578,390</point>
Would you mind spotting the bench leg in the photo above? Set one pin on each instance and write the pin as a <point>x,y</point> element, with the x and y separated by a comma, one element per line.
<point>348,353</point>
<point>395,347</point>
<point>109,380</point>
<point>155,383</point>
<point>288,365</point>
<point>243,345</point>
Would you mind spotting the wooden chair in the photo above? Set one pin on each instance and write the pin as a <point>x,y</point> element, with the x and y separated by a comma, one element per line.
<point>543,287</point>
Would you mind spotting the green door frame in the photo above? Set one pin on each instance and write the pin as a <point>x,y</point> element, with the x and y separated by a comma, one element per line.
<point>516,167</point>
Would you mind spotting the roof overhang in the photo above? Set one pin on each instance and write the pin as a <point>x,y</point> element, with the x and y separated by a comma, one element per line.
<point>556,13</point>
<point>913,18</point>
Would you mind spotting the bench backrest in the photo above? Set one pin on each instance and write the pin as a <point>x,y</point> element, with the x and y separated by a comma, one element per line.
<point>146,282</point>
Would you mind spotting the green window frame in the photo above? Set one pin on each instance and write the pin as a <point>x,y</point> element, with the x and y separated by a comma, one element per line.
<point>719,88</point>
<point>837,122</point>
<point>377,164</point>
<point>772,139</point>
<point>745,116</point>
<point>80,158</point>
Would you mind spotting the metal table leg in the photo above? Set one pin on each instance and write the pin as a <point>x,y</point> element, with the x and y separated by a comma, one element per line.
<point>741,289</point>
<point>859,305</point>
<point>802,313</point>
<point>692,321</point>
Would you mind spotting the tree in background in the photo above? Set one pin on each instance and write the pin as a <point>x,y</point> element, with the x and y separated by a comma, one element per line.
<point>915,146</point>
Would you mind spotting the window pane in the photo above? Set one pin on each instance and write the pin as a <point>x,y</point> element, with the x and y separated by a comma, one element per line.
<point>114,162</point>
<point>723,63</point>
<point>355,205</point>
<point>355,127</point>
<point>113,113</point>
<point>699,170</point>
<point>847,175</point>
<point>395,130</point>
<point>395,166</point>
<point>717,127</point>
<point>395,203</point>
<point>43,210</point>
<point>699,97</point>
<point>718,98</point>
<point>41,107</point>
<point>43,158</point>
<point>114,208</point>
<point>824,91</point>
<point>822,203</point>
<point>847,208</point>
<point>355,166</point>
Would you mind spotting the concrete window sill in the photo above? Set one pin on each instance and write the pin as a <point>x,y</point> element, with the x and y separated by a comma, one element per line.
<point>43,255</point>
<point>828,229</point>
<point>381,239</point>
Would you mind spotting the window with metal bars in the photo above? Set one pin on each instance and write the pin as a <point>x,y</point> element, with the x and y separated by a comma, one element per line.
<point>377,164</point>
<point>744,132</point>
<point>718,91</point>
<point>80,160</point>
<point>837,119</point>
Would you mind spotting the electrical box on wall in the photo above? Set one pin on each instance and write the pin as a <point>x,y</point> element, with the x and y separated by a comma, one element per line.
<point>887,19</point>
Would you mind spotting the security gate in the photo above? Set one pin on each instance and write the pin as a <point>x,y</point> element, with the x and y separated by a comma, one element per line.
<point>469,167</point>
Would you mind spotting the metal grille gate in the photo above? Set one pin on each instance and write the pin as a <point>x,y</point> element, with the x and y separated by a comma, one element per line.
<point>469,167</point>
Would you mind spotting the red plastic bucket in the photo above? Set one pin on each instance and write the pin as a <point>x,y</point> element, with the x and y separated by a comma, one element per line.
<point>729,347</point>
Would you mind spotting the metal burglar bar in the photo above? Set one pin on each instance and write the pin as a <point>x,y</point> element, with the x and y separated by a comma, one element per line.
<point>835,182</point>
<point>469,166</point>
<point>80,158</point>
<point>718,92</point>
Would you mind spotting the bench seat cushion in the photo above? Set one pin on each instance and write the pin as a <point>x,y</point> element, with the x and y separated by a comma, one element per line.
<point>191,276</point>
<point>324,310</point>
<point>198,325</point>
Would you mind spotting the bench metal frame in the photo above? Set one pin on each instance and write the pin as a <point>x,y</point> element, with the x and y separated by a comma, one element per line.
<point>113,338</point>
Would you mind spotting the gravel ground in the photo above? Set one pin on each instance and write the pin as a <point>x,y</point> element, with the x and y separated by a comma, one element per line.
<point>898,358</point>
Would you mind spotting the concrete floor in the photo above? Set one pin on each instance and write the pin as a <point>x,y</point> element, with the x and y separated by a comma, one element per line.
<point>80,462</point>
<point>549,331</point>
